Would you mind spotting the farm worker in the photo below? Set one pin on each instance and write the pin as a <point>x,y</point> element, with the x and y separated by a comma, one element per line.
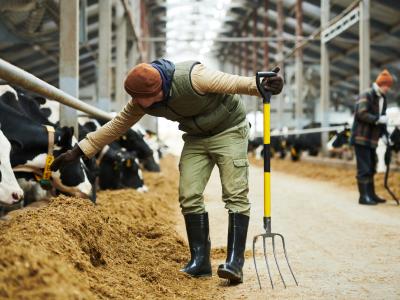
<point>370,122</point>
<point>207,106</point>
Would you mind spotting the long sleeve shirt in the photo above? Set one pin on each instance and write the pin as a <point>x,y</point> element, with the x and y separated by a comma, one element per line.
<point>204,80</point>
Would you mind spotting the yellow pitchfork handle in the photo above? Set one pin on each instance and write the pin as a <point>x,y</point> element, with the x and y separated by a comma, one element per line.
<point>267,148</point>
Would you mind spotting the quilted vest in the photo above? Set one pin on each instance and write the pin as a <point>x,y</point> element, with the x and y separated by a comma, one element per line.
<point>198,115</point>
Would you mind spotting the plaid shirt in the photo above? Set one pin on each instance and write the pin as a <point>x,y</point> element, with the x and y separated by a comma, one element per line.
<point>365,130</point>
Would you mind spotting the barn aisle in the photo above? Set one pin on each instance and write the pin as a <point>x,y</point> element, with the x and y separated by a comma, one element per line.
<point>337,248</point>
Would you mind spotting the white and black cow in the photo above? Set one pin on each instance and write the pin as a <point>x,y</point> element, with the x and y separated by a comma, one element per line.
<point>10,192</point>
<point>118,167</point>
<point>29,140</point>
<point>339,145</point>
<point>133,141</point>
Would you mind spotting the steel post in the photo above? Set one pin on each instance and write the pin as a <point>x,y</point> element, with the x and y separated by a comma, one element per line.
<point>104,64</point>
<point>299,73</point>
<point>364,46</point>
<point>121,59</point>
<point>325,93</point>
<point>69,59</point>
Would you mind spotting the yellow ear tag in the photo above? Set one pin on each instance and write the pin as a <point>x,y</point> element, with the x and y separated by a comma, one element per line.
<point>129,163</point>
<point>47,170</point>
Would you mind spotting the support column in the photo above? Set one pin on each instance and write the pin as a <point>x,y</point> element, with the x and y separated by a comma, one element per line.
<point>104,71</point>
<point>325,93</point>
<point>133,56</point>
<point>279,24</point>
<point>299,65</point>
<point>255,67</point>
<point>255,44</point>
<point>121,62</point>
<point>266,35</point>
<point>364,50</point>
<point>245,53</point>
<point>69,59</point>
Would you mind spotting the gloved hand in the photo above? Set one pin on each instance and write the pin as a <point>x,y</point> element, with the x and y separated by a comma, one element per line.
<point>273,84</point>
<point>67,157</point>
<point>383,120</point>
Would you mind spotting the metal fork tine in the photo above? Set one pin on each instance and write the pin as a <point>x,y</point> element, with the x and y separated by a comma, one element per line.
<point>254,258</point>
<point>276,260</point>
<point>266,262</point>
<point>287,259</point>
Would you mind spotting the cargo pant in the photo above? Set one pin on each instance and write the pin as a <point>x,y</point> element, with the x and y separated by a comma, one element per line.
<point>227,150</point>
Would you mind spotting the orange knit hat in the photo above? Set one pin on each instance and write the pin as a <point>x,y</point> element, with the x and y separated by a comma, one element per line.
<point>143,80</point>
<point>384,79</point>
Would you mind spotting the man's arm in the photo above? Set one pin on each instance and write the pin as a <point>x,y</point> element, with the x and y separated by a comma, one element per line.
<point>206,80</point>
<point>362,111</point>
<point>110,131</point>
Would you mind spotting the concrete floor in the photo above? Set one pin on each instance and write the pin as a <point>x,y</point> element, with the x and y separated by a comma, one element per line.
<point>337,248</point>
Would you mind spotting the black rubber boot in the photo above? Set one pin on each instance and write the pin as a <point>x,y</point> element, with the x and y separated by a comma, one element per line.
<point>237,234</point>
<point>366,198</point>
<point>197,229</point>
<point>374,195</point>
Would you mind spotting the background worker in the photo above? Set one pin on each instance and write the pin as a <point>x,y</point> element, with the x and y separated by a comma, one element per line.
<point>369,125</point>
<point>206,104</point>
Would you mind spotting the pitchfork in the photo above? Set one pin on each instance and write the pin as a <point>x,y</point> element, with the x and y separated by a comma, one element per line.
<point>267,188</point>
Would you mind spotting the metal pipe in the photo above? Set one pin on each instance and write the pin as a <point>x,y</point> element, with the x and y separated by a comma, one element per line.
<point>243,39</point>
<point>17,76</point>
<point>309,130</point>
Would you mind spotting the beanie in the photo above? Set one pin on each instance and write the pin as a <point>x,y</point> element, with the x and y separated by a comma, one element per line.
<point>384,79</point>
<point>143,80</point>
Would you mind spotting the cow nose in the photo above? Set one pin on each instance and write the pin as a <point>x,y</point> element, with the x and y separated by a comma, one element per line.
<point>17,196</point>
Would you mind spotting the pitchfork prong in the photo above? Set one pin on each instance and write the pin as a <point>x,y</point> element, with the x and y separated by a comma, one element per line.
<point>286,256</point>
<point>254,259</point>
<point>266,261</point>
<point>276,260</point>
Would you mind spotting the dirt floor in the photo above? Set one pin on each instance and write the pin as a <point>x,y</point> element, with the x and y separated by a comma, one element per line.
<point>337,248</point>
<point>345,177</point>
<point>132,245</point>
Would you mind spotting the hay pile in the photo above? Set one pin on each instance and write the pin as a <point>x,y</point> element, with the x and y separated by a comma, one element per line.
<point>123,248</point>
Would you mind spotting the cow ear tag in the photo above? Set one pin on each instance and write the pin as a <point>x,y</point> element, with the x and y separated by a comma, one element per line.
<point>128,163</point>
<point>45,182</point>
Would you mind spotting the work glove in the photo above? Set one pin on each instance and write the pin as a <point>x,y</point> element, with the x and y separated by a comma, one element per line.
<point>273,84</point>
<point>382,120</point>
<point>67,157</point>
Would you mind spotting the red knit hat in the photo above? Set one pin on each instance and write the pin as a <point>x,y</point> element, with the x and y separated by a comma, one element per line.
<point>143,81</point>
<point>384,79</point>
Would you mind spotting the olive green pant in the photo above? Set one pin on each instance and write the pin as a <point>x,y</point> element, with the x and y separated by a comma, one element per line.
<point>227,150</point>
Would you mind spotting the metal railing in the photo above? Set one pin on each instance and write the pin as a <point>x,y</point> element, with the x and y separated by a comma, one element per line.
<point>310,130</point>
<point>26,80</point>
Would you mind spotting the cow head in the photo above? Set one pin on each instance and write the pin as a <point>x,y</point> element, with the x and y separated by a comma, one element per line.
<point>133,141</point>
<point>10,191</point>
<point>71,178</point>
<point>119,169</point>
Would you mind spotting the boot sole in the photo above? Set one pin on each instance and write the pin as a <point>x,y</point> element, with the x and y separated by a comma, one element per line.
<point>198,275</point>
<point>368,203</point>
<point>232,277</point>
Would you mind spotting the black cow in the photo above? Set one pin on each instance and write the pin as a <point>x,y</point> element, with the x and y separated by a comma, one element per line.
<point>395,139</point>
<point>29,141</point>
<point>339,145</point>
